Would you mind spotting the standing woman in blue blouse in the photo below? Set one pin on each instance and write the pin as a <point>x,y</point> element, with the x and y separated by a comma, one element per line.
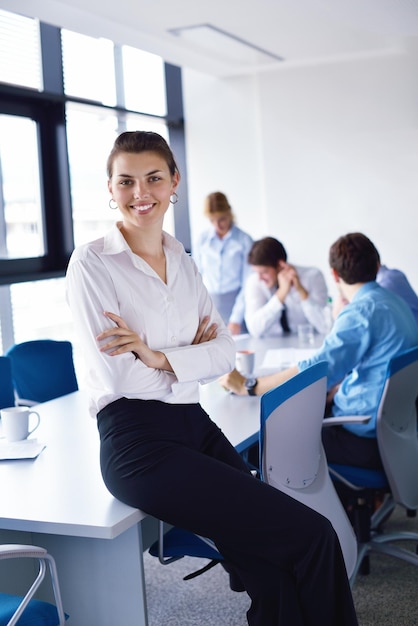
<point>221,254</point>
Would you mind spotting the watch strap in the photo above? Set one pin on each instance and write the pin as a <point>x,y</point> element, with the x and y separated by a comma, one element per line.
<point>250,385</point>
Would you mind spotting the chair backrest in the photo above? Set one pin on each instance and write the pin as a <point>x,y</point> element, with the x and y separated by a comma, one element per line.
<point>43,369</point>
<point>292,456</point>
<point>396,428</point>
<point>7,394</point>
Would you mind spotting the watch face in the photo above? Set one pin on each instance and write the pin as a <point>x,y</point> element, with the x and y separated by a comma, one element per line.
<point>250,383</point>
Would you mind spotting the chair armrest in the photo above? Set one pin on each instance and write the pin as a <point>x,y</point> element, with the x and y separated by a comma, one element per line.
<point>346,419</point>
<point>45,561</point>
<point>15,551</point>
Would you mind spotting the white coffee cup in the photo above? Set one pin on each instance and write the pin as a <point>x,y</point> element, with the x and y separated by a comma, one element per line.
<point>306,334</point>
<point>244,362</point>
<point>15,422</point>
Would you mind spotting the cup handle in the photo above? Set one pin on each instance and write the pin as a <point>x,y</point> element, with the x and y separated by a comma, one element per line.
<point>38,422</point>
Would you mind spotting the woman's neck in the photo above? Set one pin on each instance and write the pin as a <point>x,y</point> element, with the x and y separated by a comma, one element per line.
<point>148,245</point>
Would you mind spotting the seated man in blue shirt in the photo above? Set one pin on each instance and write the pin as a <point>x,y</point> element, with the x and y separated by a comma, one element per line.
<point>391,279</point>
<point>375,325</point>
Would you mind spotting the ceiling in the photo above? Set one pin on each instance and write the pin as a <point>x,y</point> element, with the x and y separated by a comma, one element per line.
<point>271,33</point>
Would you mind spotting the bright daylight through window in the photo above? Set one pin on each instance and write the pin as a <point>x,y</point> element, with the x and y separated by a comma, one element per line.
<point>101,96</point>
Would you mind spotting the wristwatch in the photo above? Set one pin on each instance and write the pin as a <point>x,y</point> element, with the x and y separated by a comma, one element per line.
<point>250,385</point>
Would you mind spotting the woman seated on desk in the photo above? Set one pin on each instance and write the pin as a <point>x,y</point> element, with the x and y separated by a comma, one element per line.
<point>279,296</point>
<point>151,333</point>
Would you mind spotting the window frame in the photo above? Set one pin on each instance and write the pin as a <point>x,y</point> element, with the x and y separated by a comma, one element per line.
<point>48,113</point>
<point>47,109</point>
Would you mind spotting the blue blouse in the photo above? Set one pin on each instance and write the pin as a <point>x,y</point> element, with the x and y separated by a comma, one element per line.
<point>223,264</point>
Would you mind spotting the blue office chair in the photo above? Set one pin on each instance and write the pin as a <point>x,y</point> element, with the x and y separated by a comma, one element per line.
<point>396,428</point>
<point>7,394</point>
<point>177,543</point>
<point>26,610</point>
<point>42,369</point>
<point>292,458</point>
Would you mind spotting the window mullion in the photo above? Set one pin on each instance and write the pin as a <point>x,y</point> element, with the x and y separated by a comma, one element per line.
<point>51,53</point>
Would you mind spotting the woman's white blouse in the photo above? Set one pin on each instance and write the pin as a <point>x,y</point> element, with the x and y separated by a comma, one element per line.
<point>105,275</point>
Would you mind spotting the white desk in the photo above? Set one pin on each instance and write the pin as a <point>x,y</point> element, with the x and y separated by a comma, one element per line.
<point>238,416</point>
<point>59,501</point>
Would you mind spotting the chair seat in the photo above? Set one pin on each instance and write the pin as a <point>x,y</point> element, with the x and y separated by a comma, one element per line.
<point>368,478</point>
<point>37,613</point>
<point>179,542</point>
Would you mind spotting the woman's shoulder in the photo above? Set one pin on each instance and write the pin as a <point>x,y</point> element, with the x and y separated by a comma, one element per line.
<point>242,235</point>
<point>87,256</point>
<point>87,249</point>
<point>112,242</point>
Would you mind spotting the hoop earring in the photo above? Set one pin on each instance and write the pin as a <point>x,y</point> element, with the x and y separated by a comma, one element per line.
<point>110,204</point>
<point>176,198</point>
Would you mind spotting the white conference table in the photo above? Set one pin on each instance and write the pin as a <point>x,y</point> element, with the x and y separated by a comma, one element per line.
<point>238,416</point>
<point>59,501</point>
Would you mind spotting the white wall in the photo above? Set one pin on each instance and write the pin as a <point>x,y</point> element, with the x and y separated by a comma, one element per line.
<point>223,148</point>
<point>307,154</point>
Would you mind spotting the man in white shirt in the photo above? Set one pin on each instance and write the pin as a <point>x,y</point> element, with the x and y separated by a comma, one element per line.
<point>280,296</point>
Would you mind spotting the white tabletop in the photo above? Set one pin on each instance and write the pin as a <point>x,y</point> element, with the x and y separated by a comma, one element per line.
<point>288,345</point>
<point>239,416</point>
<point>62,491</point>
<point>236,416</point>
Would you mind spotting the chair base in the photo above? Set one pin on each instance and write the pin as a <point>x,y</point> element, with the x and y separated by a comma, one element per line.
<point>372,538</point>
<point>383,544</point>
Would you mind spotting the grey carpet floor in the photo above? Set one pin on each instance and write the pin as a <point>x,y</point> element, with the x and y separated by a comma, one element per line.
<point>386,597</point>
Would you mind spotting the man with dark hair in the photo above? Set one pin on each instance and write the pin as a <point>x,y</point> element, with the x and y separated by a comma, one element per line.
<point>373,327</point>
<point>391,279</point>
<point>280,296</point>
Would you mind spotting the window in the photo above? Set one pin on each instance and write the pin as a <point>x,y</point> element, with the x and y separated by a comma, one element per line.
<point>144,81</point>
<point>53,151</point>
<point>40,311</point>
<point>21,230</point>
<point>20,55</point>
<point>88,65</point>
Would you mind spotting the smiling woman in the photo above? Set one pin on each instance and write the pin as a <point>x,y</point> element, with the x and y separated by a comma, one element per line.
<point>151,335</point>
<point>141,184</point>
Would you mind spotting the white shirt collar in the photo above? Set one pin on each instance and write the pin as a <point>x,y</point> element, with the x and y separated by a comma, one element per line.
<point>114,242</point>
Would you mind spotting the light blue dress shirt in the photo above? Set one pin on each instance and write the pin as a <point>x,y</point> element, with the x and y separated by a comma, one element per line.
<point>374,327</point>
<point>396,281</point>
<point>223,264</point>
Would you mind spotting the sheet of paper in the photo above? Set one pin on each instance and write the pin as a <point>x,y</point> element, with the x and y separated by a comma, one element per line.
<point>285,357</point>
<point>28,449</point>
<point>239,337</point>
